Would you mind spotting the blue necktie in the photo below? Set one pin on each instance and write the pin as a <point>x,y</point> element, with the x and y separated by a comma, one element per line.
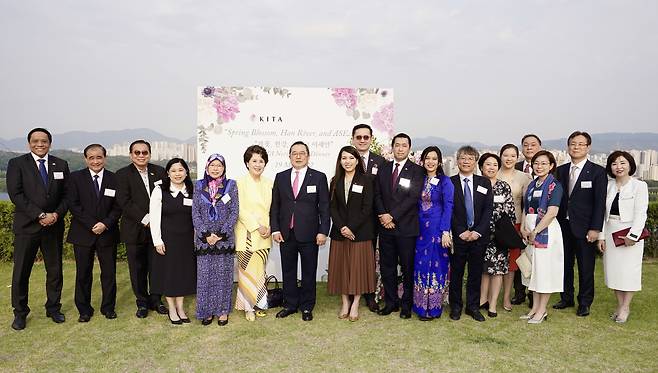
<point>468,201</point>
<point>43,172</point>
<point>98,189</point>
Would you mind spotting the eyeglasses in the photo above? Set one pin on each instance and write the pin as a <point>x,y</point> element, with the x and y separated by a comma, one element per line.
<point>544,164</point>
<point>138,153</point>
<point>362,137</point>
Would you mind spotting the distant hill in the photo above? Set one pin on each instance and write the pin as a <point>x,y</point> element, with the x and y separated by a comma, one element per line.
<point>75,160</point>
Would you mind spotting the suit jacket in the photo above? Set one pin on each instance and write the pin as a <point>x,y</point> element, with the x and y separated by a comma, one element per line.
<point>586,205</point>
<point>31,197</point>
<point>357,212</point>
<point>87,209</point>
<point>134,200</point>
<point>482,208</point>
<point>374,161</point>
<point>311,210</point>
<point>401,201</point>
<point>633,205</point>
<point>519,165</point>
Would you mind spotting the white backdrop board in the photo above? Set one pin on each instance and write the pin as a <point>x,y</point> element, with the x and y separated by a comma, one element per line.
<point>230,119</point>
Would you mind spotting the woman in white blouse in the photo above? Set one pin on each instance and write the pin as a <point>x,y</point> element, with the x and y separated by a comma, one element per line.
<point>626,207</point>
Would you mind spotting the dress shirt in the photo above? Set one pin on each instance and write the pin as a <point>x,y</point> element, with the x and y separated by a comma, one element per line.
<point>400,167</point>
<point>470,185</point>
<point>100,177</point>
<point>365,157</point>
<point>302,174</point>
<point>527,164</point>
<point>155,210</point>
<point>36,160</point>
<point>576,173</point>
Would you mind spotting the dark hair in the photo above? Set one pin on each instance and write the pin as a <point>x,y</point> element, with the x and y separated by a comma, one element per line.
<point>426,151</point>
<point>549,155</point>
<point>401,135</point>
<point>467,149</point>
<point>530,135</point>
<point>485,156</point>
<point>92,146</point>
<point>340,171</point>
<point>509,146</point>
<point>579,133</point>
<point>255,149</point>
<point>39,129</point>
<point>166,182</point>
<point>130,149</point>
<point>614,156</point>
<point>308,152</point>
<point>360,126</point>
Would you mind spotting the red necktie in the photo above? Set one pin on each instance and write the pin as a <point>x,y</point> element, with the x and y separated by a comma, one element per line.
<point>394,178</point>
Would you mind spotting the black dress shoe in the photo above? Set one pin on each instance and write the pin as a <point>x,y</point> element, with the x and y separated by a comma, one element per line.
<point>19,323</point>
<point>518,299</point>
<point>455,314</point>
<point>582,311</point>
<point>110,315</point>
<point>475,314</point>
<point>57,316</point>
<point>185,320</point>
<point>405,314</point>
<point>373,306</point>
<point>388,310</point>
<point>206,322</point>
<point>307,315</point>
<point>84,318</point>
<point>492,314</point>
<point>562,304</point>
<point>221,322</point>
<point>142,312</point>
<point>484,306</point>
<point>285,313</point>
<point>161,309</point>
<point>175,322</point>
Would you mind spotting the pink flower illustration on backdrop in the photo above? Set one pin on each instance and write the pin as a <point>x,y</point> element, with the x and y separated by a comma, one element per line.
<point>344,97</point>
<point>383,119</point>
<point>227,107</point>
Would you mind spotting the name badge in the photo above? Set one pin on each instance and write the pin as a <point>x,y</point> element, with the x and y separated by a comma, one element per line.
<point>357,188</point>
<point>58,175</point>
<point>434,181</point>
<point>482,189</point>
<point>374,170</point>
<point>158,182</point>
<point>310,189</point>
<point>109,192</point>
<point>187,201</point>
<point>586,184</point>
<point>499,199</point>
<point>225,198</point>
<point>537,193</point>
<point>405,183</point>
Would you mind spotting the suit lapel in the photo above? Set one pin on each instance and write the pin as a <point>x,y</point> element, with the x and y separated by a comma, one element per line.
<point>31,164</point>
<point>307,177</point>
<point>340,191</point>
<point>459,191</point>
<point>584,173</point>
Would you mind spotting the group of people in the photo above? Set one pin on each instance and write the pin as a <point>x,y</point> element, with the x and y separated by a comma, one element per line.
<point>182,237</point>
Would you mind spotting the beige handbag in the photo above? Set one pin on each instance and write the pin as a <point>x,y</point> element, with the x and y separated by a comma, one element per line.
<point>525,263</point>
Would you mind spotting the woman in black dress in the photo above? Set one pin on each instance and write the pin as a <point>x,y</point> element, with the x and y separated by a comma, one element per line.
<point>170,212</point>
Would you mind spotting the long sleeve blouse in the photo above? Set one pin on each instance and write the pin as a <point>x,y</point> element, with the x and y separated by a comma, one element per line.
<point>221,221</point>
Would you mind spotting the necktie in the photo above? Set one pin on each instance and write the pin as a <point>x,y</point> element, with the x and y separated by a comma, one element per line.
<point>295,192</point>
<point>365,165</point>
<point>572,178</point>
<point>527,168</point>
<point>43,172</point>
<point>394,177</point>
<point>468,202</point>
<point>98,189</point>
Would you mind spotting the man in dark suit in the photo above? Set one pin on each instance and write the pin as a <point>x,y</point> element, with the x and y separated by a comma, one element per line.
<point>581,218</point>
<point>299,217</point>
<point>36,185</point>
<point>361,140</point>
<point>471,215</point>
<point>400,183</point>
<point>94,227</point>
<point>136,182</point>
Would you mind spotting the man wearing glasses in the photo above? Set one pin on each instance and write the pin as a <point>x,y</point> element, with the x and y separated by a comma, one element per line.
<point>135,184</point>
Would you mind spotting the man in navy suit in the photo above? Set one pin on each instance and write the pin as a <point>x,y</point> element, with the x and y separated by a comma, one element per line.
<point>361,140</point>
<point>471,215</point>
<point>581,219</point>
<point>36,184</point>
<point>94,228</point>
<point>300,221</point>
<point>400,183</point>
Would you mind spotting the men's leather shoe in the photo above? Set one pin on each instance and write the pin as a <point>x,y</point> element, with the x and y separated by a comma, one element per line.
<point>285,313</point>
<point>57,316</point>
<point>373,306</point>
<point>307,315</point>
<point>562,304</point>
<point>110,315</point>
<point>161,309</point>
<point>518,299</point>
<point>582,311</point>
<point>475,314</point>
<point>388,310</point>
<point>455,314</point>
<point>19,323</point>
<point>142,312</point>
<point>84,318</point>
<point>405,314</point>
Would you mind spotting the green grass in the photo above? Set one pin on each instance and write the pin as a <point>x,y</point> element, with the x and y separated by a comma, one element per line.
<point>374,343</point>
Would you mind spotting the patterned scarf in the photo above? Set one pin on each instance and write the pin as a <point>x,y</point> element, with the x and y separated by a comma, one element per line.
<point>213,188</point>
<point>547,187</point>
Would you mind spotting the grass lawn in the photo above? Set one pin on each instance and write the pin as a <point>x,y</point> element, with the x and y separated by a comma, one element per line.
<point>374,343</point>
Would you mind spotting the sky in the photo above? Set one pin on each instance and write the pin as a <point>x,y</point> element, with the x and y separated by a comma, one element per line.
<point>485,71</point>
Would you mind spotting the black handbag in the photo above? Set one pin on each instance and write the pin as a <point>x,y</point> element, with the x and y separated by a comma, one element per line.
<point>506,235</point>
<point>274,295</point>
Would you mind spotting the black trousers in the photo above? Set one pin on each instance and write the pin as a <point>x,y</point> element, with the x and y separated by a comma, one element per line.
<point>370,297</point>
<point>26,246</point>
<point>140,263</point>
<point>84,266</point>
<point>519,289</point>
<point>394,250</point>
<point>471,254</point>
<point>295,297</point>
<point>578,249</point>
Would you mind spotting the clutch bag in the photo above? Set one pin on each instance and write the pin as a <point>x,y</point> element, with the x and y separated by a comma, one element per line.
<point>618,237</point>
<point>524,263</point>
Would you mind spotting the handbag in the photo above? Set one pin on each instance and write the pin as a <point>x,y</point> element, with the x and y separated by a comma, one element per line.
<point>618,237</point>
<point>525,264</point>
<point>506,235</point>
<point>274,295</point>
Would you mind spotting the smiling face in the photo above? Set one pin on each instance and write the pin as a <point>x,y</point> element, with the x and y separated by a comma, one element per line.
<point>466,164</point>
<point>578,148</point>
<point>215,169</point>
<point>298,156</point>
<point>620,167</point>
<point>542,166</point>
<point>509,158</point>
<point>530,147</point>
<point>256,165</point>
<point>401,149</point>
<point>39,144</point>
<point>177,173</point>
<point>361,140</point>
<point>431,162</point>
<point>95,159</point>
<point>348,162</point>
<point>490,168</point>
<point>140,155</point>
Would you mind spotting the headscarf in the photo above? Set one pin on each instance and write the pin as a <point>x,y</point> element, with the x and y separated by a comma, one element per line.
<point>547,187</point>
<point>214,186</point>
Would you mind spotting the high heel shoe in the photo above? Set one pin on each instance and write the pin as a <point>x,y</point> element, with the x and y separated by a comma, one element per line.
<point>507,309</point>
<point>526,317</point>
<point>343,316</point>
<point>619,320</point>
<point>221,322</point>
<point>533,321</point>
<point>206,322</point>
<point>175,322</point>
<point>185,320</point>
<point>492,314</point>
<point>484,306</point>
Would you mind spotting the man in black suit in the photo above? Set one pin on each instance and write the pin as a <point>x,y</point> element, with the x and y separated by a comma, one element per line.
<point>581,218</point>
<point>136,182</point>
<point>94,227</point>
<point>299,217</point>
<point>36,185</point>
<point>471,214</point>
<point>361,140</point>
<point>400,183</point>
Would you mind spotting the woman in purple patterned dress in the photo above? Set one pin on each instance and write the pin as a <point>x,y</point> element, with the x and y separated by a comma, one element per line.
<point>431,259</point>
<point>214,213</point>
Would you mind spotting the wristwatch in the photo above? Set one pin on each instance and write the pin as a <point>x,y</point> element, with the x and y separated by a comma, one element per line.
<point>42,215</point>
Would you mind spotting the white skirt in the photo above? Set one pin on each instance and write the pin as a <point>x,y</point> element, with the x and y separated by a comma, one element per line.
<point>622,265</point>
<point>547,263</point>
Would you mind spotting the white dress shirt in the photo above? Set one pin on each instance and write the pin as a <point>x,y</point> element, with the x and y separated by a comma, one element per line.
<point>36,160</point>
<point>155,210</point>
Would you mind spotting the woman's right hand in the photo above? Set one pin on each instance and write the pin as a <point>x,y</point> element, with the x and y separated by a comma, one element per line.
<point>212,239</point>
<point>600,244</point>
<point>160,249</point>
